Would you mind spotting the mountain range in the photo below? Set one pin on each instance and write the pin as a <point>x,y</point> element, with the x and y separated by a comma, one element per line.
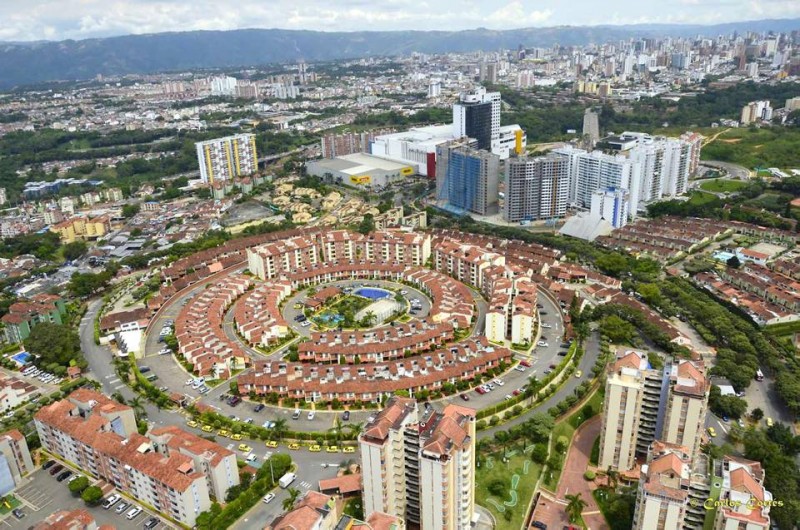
<point>26,63</point>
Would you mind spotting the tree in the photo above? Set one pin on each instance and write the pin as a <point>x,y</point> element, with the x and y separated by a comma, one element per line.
<point>613,477</point>
<point>129,210</point>
<point>497,487</point>
<point>367,224</point>
<point>288,502</point>
<point>757,414</point>
<point>75,250</point>
<point>617,330</point>
<point>92,495</point>
<point>734,262</point>
<point>731,406</point>
<point>77,486</point>
<point>575,506</point>
<point>53,343</point>
<point>280,428</point>
<point>138,407</point>
<point>86,283</point>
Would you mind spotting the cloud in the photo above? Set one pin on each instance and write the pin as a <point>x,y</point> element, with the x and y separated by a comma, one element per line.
<point>76,19</point>
<point>514,14</point>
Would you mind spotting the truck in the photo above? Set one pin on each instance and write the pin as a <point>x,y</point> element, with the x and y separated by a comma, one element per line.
<point>287,479</point>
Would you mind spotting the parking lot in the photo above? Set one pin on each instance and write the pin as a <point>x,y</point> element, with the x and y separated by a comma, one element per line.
<point>42,494</point>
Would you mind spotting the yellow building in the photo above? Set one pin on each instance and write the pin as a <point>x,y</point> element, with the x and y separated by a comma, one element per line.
<point>81,228</point>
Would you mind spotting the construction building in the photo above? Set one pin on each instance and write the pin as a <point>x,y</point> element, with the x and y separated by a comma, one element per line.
<point>536,188</point>
<point>467,179</point>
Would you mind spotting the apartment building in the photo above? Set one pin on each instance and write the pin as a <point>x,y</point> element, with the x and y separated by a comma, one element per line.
<point>643,405</point>
<point>611,204</point>
<point>512,310</point>
<point>686,407</point>
<point>22,316</point>
<point>418,465</point>
<point>82,228</point>
<point>466,263</point>
<point>673,487</point>
<point>467,179</point>
<point>272,259</point>
<point>536,188</point>
<point>99,436</point>
<point>747,501</point>
<point>15,460</point>
<point>477,115</point>
<point>756,111</point>
<point>217,463</point>
<point>226,158</point>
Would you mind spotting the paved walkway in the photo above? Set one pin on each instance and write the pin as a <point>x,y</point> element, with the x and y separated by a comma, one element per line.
<point>576,463</point>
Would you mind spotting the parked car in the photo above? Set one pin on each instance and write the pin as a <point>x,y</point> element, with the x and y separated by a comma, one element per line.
<point>311,415</point>
<point>133,513</point>
<point>259,407</point>
<point>64,476</point>
<point>49,464</point>
<point>465,397</point>
<point>57,469</point>
<point>122,507</point>
<point>19,514</point>
<point>268,497</point>
<point>111,501</point>
<point>151,523</point>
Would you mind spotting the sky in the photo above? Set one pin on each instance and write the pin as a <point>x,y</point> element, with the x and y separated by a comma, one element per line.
<point>26,20</point>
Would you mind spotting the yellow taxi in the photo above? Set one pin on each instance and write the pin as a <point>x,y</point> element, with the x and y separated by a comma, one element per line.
<point>315,448</point>
<point>206,428</point>
<point>770,423</point>
<point>349,449</point>
<point>712,432</point>
<point>294,447</point>
<point>245,448</point>
<point>331,449</point>
<point>192,424</point>
<point>223,432</point>
<point>236,437</point>
<point>272,443</point>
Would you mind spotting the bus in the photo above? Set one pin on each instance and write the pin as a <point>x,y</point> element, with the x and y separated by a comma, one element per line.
<point>759,375</point>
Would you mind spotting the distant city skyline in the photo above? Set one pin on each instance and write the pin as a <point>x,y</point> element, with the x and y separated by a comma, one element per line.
<point>31,20</point>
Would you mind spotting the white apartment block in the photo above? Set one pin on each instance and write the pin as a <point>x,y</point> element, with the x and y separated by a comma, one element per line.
<point>464,262</point>
<point>226,158</point>
<point>99,436</point>
<point>536,188</point>
<point>642,405</point>
<point>650,168</point>
<point>756,111</point>
<point>749,502</point>
<point>673,487</point>
<point>420,465</point>
<point>612,204</point>
<point>216,462</point>
<point>15,460</point>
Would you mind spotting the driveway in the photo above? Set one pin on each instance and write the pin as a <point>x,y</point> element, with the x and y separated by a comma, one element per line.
<point>572,481</point>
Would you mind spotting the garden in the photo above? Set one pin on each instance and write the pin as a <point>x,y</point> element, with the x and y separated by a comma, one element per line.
<point>504,483</point>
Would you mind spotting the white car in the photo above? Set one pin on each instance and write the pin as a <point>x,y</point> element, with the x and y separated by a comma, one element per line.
<point>251,457</point>
<point>542,343</point>
<point>499,382</point>
<point>133,513</point>
<point>546,326</point>
<point>268,497</point>
<point>189,382</point>
<point>311,415</point>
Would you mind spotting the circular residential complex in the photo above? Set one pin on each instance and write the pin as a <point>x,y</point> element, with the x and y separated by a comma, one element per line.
<point>355,317</point>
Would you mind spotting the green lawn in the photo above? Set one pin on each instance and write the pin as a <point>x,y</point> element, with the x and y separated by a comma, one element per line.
<point>566,428</point>
<point>509,511</point>
<point>700,198</point>
<point>723,185</point>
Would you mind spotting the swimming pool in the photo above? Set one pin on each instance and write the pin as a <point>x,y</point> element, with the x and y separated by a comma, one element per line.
<point>21,357</point>
<point>373,294</point>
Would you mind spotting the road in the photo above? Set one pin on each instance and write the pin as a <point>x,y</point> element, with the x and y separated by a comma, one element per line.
<point>591,351</point>
<point>734,170</point>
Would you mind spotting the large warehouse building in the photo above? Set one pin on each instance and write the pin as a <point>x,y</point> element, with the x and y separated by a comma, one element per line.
<point>361,170</point>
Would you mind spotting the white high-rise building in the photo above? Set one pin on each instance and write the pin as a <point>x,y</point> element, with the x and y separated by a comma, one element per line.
<point>756,111</point>
<point>611,204</point>
<point>419,465</point>
<point>226,158</point>
<point>643,404</point>
<point>434,89</point>
<point>590,172</point>
<point>223,86</point>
